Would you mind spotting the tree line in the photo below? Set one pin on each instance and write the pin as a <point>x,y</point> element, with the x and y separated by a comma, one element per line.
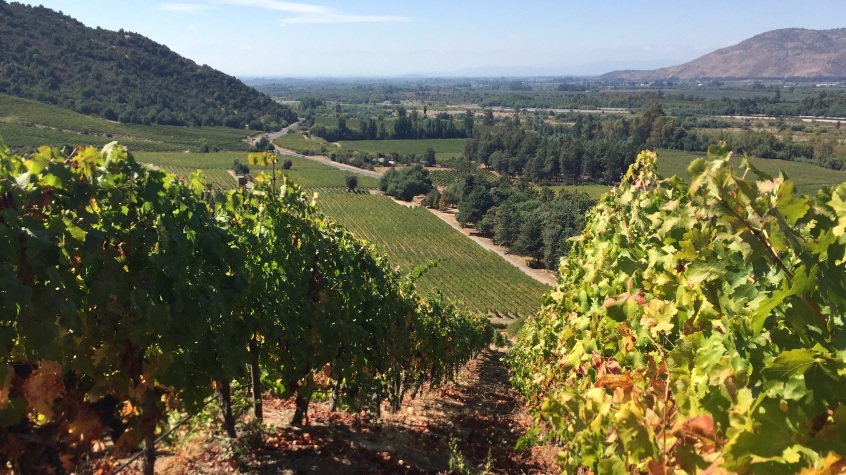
<point>406,125</point>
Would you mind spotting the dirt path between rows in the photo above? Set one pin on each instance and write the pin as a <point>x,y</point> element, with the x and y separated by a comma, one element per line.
<point>543,276</point>
<point>479,413</point>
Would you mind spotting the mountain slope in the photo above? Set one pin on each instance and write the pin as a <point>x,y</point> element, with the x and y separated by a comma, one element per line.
<point>121,76</point>
<point>787,53</point>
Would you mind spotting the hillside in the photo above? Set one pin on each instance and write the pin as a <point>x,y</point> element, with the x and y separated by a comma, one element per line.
<point>121,76</point>
<point>787,53</point>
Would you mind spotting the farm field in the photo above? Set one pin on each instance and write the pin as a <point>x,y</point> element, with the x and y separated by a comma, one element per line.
<point>304,172</point>
<point>466,273</point>
<point>447,176</point>
<point>306,146</point>
<point>594,191</point>
<point>24,123</point>
<point>807,177</point>
<point>444,148</point>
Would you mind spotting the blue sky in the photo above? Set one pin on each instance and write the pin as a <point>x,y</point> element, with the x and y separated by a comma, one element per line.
<point>268,38</point>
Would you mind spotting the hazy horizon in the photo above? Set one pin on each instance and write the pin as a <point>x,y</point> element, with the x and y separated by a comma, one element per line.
<point>372,38</point>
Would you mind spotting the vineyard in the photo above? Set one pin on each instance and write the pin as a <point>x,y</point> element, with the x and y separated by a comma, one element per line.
<point>478,279</point>
<point>444,148</point>
<point>304,172</point>
<point>24,123</point>
<point>465,272</point>
<point>448,176</point>
<point>697,328</point>
<point>807,177</point>
<point>130,294</point>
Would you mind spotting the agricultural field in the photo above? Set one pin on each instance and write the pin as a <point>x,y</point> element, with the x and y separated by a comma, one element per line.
<point>302,144</point>
<point>305,172</point>
<point>25,124</point>
<point>466,273</point>
<point>444,148</point>
<point>447,176</point>
<point>807,177</point>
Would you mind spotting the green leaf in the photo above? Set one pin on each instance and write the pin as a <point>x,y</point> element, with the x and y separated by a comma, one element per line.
<point>612,465</point>
<point>791,363</point>
<point>634,433</point>
<point>801,285</point>
<point>791,207</point>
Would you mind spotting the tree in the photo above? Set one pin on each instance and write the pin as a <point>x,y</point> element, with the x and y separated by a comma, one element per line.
<point>240,168</point>
<point>352,183</point>
<point>287,164</point>
<point>406,183</point>
<point>433,198</point>
<point>429,158</point>
<point>308,103</point>
<point>530,242</point>
<point>474,205</point>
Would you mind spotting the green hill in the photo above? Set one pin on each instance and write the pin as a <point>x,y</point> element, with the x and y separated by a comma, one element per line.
<point>121,76</point>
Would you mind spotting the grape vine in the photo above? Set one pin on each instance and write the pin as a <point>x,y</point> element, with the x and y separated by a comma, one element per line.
<point>696,326</point>
<point>128,293</point>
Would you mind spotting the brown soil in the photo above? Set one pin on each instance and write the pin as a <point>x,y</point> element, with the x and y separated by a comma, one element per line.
<point>480,411</point>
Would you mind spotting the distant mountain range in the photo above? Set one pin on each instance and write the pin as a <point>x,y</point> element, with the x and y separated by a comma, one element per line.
<point>791,53</point>
<point>121,76</point>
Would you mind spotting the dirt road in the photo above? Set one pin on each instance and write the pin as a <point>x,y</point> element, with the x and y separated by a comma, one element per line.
<point>541,275</point>
<point>327,161</point>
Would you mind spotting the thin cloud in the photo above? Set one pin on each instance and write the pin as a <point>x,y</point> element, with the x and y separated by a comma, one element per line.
<point>314,14</point>
<point>335,17</point>
<point>181,7</point>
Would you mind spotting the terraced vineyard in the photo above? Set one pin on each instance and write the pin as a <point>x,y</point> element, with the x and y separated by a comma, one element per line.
<point>466,273</point>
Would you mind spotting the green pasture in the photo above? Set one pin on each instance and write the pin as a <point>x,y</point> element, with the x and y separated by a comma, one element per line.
<point>302,144</point>
<point>594,191</point>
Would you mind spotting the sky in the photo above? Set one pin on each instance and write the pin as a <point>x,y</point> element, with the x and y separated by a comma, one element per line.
<point>376,38</point>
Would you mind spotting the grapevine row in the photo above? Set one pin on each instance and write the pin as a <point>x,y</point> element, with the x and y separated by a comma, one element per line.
<point>128,293</point>
<point>696,327</point>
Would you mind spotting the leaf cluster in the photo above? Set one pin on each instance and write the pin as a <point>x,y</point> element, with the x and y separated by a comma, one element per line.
<point>696,325</point>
